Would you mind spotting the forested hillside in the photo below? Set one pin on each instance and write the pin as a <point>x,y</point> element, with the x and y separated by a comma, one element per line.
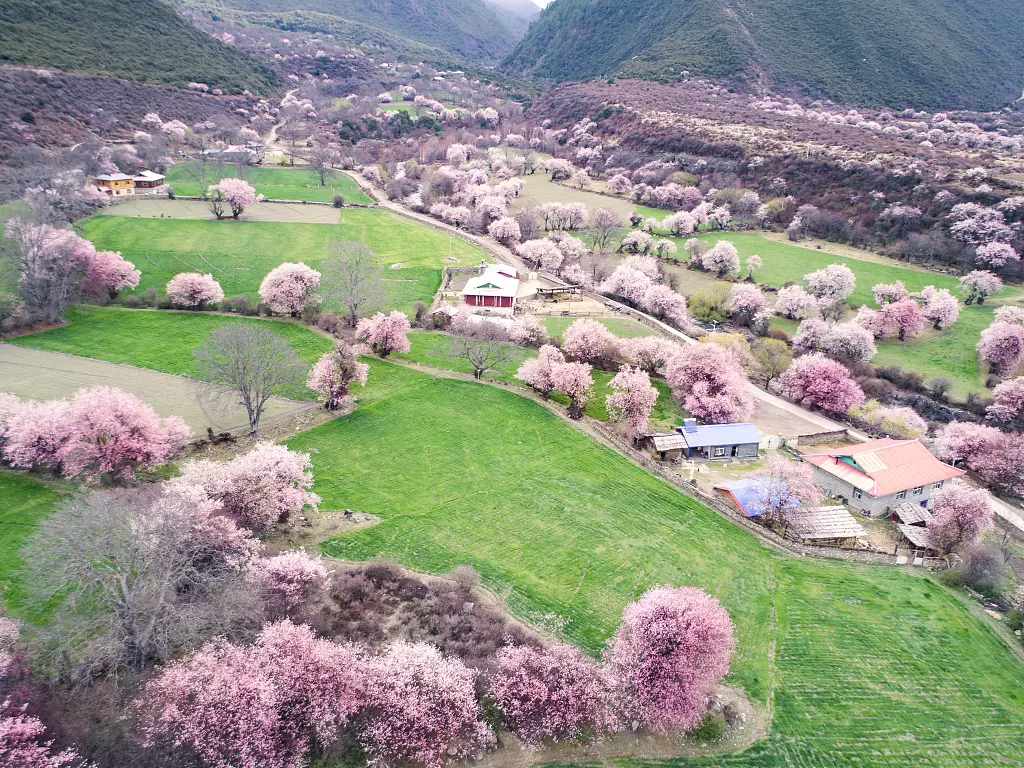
<point>925,53</point>
<point>465,28</point>
<point>140,40</point>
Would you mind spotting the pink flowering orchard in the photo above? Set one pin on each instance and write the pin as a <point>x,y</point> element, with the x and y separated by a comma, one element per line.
<point>385,333</point>
<point>709,383</point>
<point>673,645</point>
<point>334,374</point>
<point>107,273</point>
<point>289,288</point>
<point>816,381</point>
<point>632,399</point>
<point>291,576</point>
<point>960,514</point>
<point>575,382</point>
<point>537,372</point>
<point>588,341</point>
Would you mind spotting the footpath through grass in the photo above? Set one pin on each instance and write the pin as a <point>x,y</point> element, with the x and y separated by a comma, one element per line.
<point>873,667</point>
<point>276,183</point>
<point>240,253</point>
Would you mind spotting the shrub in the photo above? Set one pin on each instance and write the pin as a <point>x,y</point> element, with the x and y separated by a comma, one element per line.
<point>712,727</point>
<point>338,201</point>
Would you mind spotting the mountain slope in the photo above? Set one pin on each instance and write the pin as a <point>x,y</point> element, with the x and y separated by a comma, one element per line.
<point>140,40</point>
<point>466,28</point>
<point>928,53</point>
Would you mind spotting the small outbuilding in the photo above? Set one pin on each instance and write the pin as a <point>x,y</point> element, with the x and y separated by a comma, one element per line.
<point>919,539</point>
<point>719,441</point>
<point>833,526</point>
<point>745,494</point>
<point>148,180</point>
<point>115,184</point>
<point>668,445</point>
<point>910,514</point>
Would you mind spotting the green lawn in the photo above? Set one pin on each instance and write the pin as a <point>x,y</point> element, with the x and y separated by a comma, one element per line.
<point>872,667</point>
<point>275,183</point>
<point>24,502</point>
<point>157,339</point>
<point>435,350</point>
<point>240,253</point>
<point>623,327</point>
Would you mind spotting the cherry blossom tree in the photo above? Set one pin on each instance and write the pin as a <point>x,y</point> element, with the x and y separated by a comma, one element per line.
<point>627,282</point>
<point>636,241</point>
<point>575,382</point>
<point>673,645</point>
<point>662,302</point>
<point>794,302</point>
<point>887,293</point>
<point>708,381</point>
<point>904,316</point>
<point>35,433</point>
<point>537,372</point>
<point>995,255</point>
<point>1007,402</point>
<point>110,432</point>
<point>236,194</point>
<point>632,399</point>
<point>191,289</point>
<point>420,708</point>
<point>50,263</point>
<point>385,333</point>
<point>334,374</point>
<point>960,514</point>
<point>781,485</point>
<point>589,341</point>
<point>107,273</point>
<point>259,489</point>
<point>940,307</point>
<point>550,694</point>
<point>722,259</point>
<point>753,264</point>
<point>264,705</point>
<point>1009,314</point>
<point>977,285</point>
<point>817,381</point>
<point>649,353</point>
<point>526,331</point>
<point>1002,345</point>
<point>542,253</point>
<point>289,288</point>
<point>831,287</point>
<point>848,341</point>
<point>505,230</point>
<point>680,224</point>
<point>291,577</point>
<point>746,302</point>
<point>810,334</point>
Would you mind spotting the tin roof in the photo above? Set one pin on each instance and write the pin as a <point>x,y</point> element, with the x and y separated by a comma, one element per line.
<point>823,523</point>
<point>149,176</point>
<point>886,466</point>
<point>746,493</point>
<point>497,280</point>
<point>113,177</point>
<point>720,434</point>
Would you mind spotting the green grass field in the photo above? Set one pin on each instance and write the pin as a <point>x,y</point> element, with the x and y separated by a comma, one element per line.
<point>157,339</point>
<point>435,351</point>
<point>240,253</point>
<point>275,183</point>
<point>623,327</point>
<point>871,667</point>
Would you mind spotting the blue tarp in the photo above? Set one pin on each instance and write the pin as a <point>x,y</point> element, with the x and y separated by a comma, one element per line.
<point>744,492</point>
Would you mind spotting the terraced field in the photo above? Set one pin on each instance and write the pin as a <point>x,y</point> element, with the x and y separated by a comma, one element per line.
<point>273,183</point>
<point>862,666</point>
<point>240,253</point>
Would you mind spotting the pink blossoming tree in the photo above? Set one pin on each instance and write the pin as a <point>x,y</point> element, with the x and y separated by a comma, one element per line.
<point>575,382</point>
<point>1007,402</point>
<point>817,381</point>
<point>191,289</point>
<point>709,383</point>
<point>649,353</point>
<point>673,645</point>
<point>632,399</point>
<point>589,341</point>
<point>794,302</point>
<point>107,273</point>
<point>960,514</point>
<point>289,288</point>
<point>745,302</point>
<point>996,456</point>
<point>722,259</point>
<point>977,285</point>
<point>903,317</point>
<point>334,374</point>
<point>995,254</point>
<point>385,333</point>
<point>291,577</point>
<point>831,287</point>
<point>236,194</point>
<point>505,230</point>
<point>1002,345</point>
<point>538,372</point>
<point>887,293</point>
<point>782,485</point>
<point>940,307</point>
<point>550,694</point>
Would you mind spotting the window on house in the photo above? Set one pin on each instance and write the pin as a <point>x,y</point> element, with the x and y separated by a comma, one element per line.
<point>858,493</point>
<point>901,495</point>
<point>719,452</point>
<point>936,486</point>
<point>918,490</point>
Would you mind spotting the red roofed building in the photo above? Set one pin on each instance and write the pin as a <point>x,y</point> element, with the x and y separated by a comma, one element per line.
<point>879,475</point>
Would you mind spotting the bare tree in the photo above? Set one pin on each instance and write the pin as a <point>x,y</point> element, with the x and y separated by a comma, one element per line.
<point>322,160</point>
<point>136,575</point>
<point>353,279</point>
<point>251,363</point>
<point>484,346</point>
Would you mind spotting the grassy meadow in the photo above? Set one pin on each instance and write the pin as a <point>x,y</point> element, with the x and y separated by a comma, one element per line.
<point>865,666</point>
<point>240,253</point>
<point>275,183</point>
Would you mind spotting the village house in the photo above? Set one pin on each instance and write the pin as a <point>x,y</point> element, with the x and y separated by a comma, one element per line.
<point>115,184</point>
<point>148,180</point>
<point>879,475</point>
<point>719,441</point>
<point>494,290</point>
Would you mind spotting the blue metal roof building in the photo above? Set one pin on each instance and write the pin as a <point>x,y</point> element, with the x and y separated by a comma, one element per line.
<point>720,441</point>
<point>744,494</point>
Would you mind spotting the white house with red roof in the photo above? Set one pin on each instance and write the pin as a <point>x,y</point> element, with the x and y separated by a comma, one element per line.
<point>879,475</point>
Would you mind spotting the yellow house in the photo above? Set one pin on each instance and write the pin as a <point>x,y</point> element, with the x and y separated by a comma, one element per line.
<point>115,184</point>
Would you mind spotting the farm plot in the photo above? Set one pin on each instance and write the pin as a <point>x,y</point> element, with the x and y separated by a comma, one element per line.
<point>435,351</point>
<point>623,327</point>
<point>45,375</point>
<point>540,189</point>
<point>276,183</point>
<point>163,208</point>
<point>864,666</point>
<point>158,340</point>
<point>240,253</point>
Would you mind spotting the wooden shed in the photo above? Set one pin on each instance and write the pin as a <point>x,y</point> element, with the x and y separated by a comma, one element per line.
<point>919,539</point>
<point>910,514</point>
<point>834,526</point>
<point>669,446</point>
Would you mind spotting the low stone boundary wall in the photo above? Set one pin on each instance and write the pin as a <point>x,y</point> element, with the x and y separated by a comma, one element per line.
<point>819,438</point>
